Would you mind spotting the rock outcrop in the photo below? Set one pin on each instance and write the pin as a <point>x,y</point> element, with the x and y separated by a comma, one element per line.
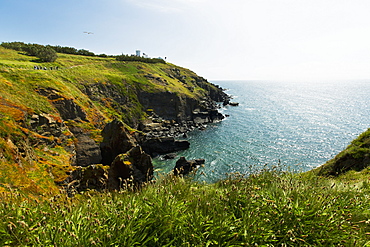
<point>54,123</point>
<point>125,157</point>
<point>82,178</point>
<point>179,108</point>
<point>87,150</point>
<point>67,107</point>
<point>116,140</point>
<point>163,145</point>
<point>48,126</point>
<point>124,163</point>
<point>132,168</point>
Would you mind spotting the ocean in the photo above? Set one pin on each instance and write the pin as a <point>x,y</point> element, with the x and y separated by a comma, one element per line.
<point>293,125</point>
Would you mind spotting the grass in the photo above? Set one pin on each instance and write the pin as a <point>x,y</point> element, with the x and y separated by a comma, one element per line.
<point>270,208</point>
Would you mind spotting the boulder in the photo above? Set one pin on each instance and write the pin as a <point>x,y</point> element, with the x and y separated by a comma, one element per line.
<point>215,115</point>
<point>48,126</point>
<point>134,167</point>
<point>184,167</point>
<point>201,117</point>
<point>169,156</point>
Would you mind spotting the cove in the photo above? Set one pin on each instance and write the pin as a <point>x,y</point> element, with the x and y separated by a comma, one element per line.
<point>294,125</point>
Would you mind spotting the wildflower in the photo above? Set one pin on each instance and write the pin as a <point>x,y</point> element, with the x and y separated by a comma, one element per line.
<point>11,226</point>
<point>22,224</point>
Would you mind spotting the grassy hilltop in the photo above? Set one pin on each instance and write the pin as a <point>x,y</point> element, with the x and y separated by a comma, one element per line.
<point>329,206</point>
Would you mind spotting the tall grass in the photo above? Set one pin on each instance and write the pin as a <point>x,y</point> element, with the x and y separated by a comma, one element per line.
<point>269,209</point>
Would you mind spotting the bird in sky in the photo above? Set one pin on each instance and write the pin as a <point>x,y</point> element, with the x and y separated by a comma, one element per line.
<point>89,32</point>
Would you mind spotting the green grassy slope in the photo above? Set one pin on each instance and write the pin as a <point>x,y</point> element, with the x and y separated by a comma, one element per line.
<point>270,208</point>
<point>23,163</point>
<point>355,158</point>
<point>267,209</point>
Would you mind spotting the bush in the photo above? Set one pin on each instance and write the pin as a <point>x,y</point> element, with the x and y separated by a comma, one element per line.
<point>85,53</point>
<point>17,46</point>
<point>139,59</point>
<point>44,53</point>
<point>47,54</point>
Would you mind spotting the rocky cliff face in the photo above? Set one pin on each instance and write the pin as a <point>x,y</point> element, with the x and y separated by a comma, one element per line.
<point>125,155</point>
<point>94,125</point>
<point>184,107</point>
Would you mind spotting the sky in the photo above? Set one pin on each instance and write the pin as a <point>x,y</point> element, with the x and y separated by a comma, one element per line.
<point>217,39</point>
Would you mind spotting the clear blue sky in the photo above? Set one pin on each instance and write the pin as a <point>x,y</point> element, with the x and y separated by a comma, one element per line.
<point>218,39</point>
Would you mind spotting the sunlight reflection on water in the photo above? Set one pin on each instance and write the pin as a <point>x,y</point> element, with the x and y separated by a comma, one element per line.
<point>295,125</point>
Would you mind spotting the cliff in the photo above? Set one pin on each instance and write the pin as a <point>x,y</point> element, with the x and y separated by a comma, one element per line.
<point>356,157</point>
<point>84,115</point>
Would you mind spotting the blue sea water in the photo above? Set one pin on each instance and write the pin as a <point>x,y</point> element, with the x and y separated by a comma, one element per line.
<point>295,125</point>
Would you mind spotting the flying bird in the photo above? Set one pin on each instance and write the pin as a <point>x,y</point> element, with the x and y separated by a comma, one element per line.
<point>88,32</point>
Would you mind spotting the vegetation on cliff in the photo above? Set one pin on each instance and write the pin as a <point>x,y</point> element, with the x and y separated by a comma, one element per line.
<point>354,158</point>
<point>47,109</point>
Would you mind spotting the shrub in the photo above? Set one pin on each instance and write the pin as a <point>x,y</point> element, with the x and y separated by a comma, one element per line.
<point>44,53</point>
<point>139,59</point>
<point>47,54</point>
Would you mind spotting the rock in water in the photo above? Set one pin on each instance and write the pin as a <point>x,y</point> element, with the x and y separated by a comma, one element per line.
<point>184,167</point>
<point>169,156</point>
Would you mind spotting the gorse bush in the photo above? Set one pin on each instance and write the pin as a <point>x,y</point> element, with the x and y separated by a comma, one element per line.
<point>270,209</point>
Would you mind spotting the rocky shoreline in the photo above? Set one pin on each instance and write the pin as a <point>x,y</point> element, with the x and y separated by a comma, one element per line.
<point>74,127</point>
<point>124,156</point>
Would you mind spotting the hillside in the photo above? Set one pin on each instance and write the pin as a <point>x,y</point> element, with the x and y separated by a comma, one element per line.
<point>93,123</point>
<point>53,114</point>
<point>355,158</point>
